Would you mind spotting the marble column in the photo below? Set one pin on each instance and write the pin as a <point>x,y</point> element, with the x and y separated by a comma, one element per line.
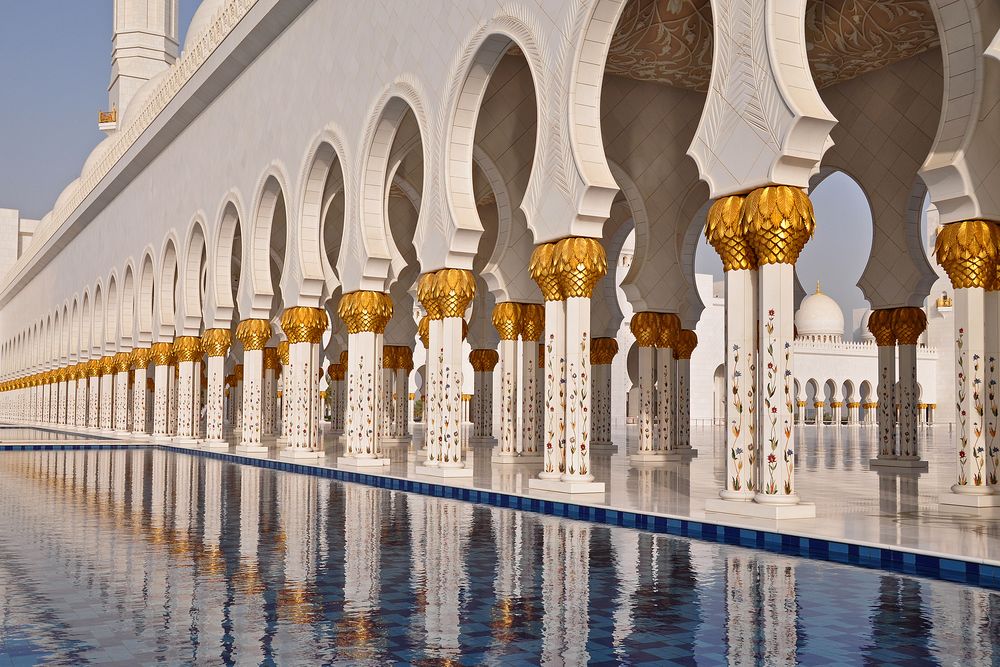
<point>162,354</point>
<point>566,272</point>
<point>684,345</point>
<point>908,324</point>
<point>303,328</point>
<point>968,253</point>
<point>254,334</point>
<point>281,394</point>
<point>852,413</point>
<point>93,394</point>
<point>452,291</point>
<point>387,404</point>
<point>880,325</point>
<point>365,314</point>
<point>139,360</point>
<point>602,354</point>
<point>666,387</point>
<point>215,343</point>
<point>269,391</point>
<point>483,362</point>
<point>187,351</point>
<point>645,329</point>
<point>819,420</point>
<point>404,364</point>
<point>532,329</point>
<point>336,373</point>
<point>107,393</point>
<point>122,362</point>
<point>72,373</point>
<point>172,376</point>
<point>725,231</point>
<point>507,321</point>
<point>63,395</point>
<point>431,336</point>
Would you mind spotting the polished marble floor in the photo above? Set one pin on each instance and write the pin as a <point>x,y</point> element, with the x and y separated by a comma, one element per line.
<point>138,556</point>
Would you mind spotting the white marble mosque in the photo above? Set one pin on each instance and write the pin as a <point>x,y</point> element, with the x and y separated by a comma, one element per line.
<point>489,241</point>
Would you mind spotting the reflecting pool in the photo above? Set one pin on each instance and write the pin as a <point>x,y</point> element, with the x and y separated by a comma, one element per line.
<point>135,556</point>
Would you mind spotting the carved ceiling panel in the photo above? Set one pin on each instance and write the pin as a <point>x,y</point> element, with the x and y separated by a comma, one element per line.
<point>670,41</point>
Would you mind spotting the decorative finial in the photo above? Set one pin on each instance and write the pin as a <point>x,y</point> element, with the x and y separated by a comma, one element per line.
<point>818,290</point>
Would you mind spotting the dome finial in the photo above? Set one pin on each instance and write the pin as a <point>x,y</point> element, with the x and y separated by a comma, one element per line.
<point>818,290</point>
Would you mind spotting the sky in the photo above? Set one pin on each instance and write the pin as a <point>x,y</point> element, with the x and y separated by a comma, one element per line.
<point>55,64</point>
<point>55,67</point>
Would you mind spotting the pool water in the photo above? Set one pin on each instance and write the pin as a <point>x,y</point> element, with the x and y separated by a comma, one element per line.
<point>137,556</point>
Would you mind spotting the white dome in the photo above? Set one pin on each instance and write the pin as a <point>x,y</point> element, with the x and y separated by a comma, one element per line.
<point>866,335</point>
<point>138,100</point>
<point>66,193</point>
<point>96,155</point>
<point>201,21</point>
<point>819,315</point>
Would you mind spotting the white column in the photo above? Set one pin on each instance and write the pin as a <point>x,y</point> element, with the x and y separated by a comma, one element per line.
<point>185,400</point>
<point>254,334</point>
<point>665,397</point>
<point>908,445</point>
<point>269,391</point>
<point>121,394</point>
<point>601,392</point>
<point>140,358</point>
<point>365,314</point>
<point>432,428</point>
<point>215,399</point>
<point>107,396</point>
<point>991,341</point>
<point>578,392</point>
<point>886,392</point>
<point>161,354</point>
<point>970,349</point>
<point>648,443</point>
<point>93,397</point>
<point>527,445</point>
<point>304,329</point>
<point>682,414</point>
<point>554,417</point>
<point>507,442</point>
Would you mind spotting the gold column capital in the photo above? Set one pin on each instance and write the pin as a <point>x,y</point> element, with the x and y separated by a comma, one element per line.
<point>968,253</point>
<point>424,331</point>
<point>107,366</point>
<point>645,327</point>
<point>389,357</point>
<point>541,267</point>
<point>122,362</point>
<point>685,343</point>
<point>667,330</point>
<point>282,350</point>
<point>907,324</point>
<point>579,262</point>
<point>161,353</point>
<point>532,321</point>
<point>187,348</point>
<point>365,311</point>
<point>303,324</point>
<point>427,295</point>
<point>343,358</point>
<point>140,357</point>
<point>507,319</point>
<point>253,333</point>
<point>483,360</point>
<point>453,289</point>
<point>271,359</point>
<point>216,342</point>
<point>94,368</point>
<point>603,350</point>
<point>880,325</point>
<point>724,231</point>
<point>778,220</point>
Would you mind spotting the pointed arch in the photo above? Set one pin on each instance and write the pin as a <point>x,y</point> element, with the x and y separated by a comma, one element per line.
<point>167,289</point>
<point>145,299</point>
<point>126,326</point>
<point>227,250</point>
<point>195,254</point>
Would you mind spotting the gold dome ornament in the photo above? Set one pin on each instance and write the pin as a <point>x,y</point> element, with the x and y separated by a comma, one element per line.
<point>645,328</point>
<point>253,333</point>
<point>453,289</point>
<point>907,324</point>
<point>724,231</point>
<point>778,220</point>
<point>968,253</point>
<point>532,321</point>
<point>668,328</point>
<point>216,342</point>
<point>507,319</point>
<point>541,266</point>
<point>302,324</point>
<point>579,262</point>
<point>365,311</point>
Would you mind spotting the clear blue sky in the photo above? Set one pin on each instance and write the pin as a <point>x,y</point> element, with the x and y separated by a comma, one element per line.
<point>55,67</point>
<point>55,63</point>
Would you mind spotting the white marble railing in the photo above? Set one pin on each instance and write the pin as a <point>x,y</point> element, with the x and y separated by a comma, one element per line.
<point>180,73</point>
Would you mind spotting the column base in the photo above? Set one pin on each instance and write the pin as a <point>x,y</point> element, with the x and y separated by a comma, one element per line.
<point>300,453</point>
<point>417,454</point>
<point>648,457</point>
<point>761,511</point>
<point>443,471</point>
<point>186,440</point>
<point>565,486</point>
<point>482,441</point>
<point>251,449</point>
<point>975,500</point>
<point>516,458</point>
<point>907,463</point>
<point>395,440</point>
<point>216,444</point>
<point>357,462</point>
<point>603,445</point>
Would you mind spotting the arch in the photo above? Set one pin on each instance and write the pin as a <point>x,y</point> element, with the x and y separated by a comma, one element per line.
<point>328,153</point>
<point>97,332</point>
<point>865,391</point>
<point>86,326</point>
<point>111,313</point>
<point>223,285</point>
<point>73,344</point>
<point>127,309</point>
<point>55,338</point>
<point>847,391</point>
<point>270,202</point>
<point>375,237</point>
<point>483,54</point>
<point>196,250</point>
<point>168,279</point>
<point>145,298</point>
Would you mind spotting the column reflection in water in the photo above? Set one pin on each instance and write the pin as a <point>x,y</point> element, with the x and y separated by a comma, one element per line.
<point>362,570</point>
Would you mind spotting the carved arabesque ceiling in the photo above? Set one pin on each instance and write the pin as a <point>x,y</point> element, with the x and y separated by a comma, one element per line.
<point>670,41</point>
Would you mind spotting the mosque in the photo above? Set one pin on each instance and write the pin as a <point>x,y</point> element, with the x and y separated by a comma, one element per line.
<point>439,241</point>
